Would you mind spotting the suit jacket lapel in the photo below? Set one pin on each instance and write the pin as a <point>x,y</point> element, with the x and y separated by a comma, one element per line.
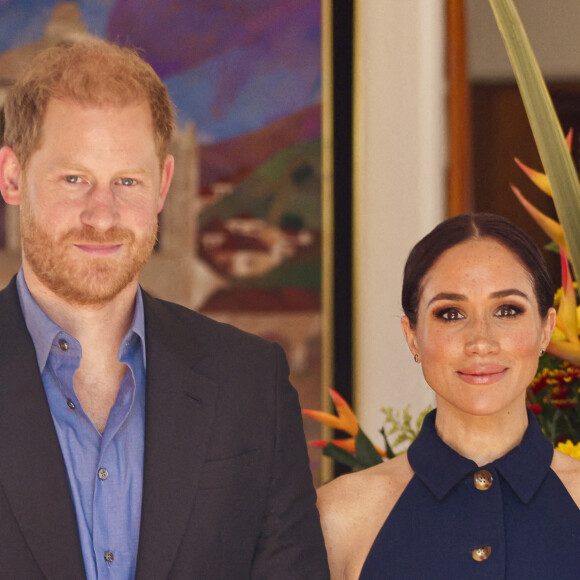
<point>32,471</point>
<point>180,408</point>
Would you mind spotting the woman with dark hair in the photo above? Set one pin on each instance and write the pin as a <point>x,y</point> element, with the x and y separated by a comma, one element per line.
<point>480,493</point>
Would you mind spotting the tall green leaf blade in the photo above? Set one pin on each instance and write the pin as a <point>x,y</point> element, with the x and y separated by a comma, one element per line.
<point>546,128</point>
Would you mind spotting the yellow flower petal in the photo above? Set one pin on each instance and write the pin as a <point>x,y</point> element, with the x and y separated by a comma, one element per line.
<point>326,418</point>
<point>550,226</point>
<point>347,417</point>
<point>566,318</point>
<point>569,448</point>
<point>540,179</point>
<point>346,420</point>
<point>565,350</point>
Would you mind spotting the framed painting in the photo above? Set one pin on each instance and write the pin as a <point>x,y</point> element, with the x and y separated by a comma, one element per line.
<point>241,238</point>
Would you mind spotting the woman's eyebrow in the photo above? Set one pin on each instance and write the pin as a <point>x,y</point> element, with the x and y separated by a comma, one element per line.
<point>509,292</point>
<point>447,296</point>
<point>462,298</point>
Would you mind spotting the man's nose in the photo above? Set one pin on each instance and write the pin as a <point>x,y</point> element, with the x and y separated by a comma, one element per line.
<point>101,211</point>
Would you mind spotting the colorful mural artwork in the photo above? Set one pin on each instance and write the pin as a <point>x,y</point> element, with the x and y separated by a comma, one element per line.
<point>241,238</point>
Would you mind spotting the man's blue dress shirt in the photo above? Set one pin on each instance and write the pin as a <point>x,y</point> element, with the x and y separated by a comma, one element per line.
<point>105,472</point>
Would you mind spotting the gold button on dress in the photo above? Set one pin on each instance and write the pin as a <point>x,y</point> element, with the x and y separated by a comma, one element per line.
<point>481,554</point>
<point>482,479</point>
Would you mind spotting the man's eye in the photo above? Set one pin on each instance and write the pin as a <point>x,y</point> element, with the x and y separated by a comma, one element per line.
<point>127,181</point>
<point>73,179</point>
<point>450,314</point>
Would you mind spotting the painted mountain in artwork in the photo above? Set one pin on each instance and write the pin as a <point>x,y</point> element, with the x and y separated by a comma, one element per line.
<point>231,160</point>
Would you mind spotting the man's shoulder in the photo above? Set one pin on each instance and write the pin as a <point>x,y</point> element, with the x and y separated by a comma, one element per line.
<point>10,309</point>
<point>8,293</point>
<point>175,318</point>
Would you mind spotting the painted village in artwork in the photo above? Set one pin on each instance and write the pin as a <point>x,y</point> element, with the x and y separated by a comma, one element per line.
<point>240,235</point>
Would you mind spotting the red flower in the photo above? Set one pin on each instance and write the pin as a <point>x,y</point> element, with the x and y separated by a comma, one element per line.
<point>540,381</point>
<point>535,408</point>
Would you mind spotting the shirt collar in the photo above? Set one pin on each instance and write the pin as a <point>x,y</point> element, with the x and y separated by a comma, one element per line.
<point>441,468</point>
<point>44,331</point>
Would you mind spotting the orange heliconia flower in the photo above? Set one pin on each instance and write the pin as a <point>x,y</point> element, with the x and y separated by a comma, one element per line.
<point>345,421</point>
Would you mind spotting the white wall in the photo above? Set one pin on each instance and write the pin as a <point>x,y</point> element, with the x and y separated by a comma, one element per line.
<point>400,165</point>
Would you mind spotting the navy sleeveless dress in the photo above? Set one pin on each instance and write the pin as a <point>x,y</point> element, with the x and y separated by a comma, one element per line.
<point>512,518</point>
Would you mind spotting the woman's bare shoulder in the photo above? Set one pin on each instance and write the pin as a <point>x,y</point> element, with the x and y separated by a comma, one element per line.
<point>353,509</point>
<point>355,488</point>
<point>568,470</point>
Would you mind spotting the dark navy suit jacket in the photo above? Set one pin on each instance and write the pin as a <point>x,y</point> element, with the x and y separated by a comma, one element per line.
<point>227,492</point>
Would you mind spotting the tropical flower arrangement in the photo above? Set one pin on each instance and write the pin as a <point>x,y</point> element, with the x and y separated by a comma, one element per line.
<point>554,393</point>
<point>357,451</point>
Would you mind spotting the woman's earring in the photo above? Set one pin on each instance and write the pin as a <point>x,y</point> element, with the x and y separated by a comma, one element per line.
<point>416,358</point>
<point>542,351</point>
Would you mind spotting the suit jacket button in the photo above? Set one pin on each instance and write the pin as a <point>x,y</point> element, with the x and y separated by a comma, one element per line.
<point>481,554</point>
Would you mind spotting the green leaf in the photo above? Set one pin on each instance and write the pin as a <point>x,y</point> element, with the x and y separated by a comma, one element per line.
<point>388,449</point>
<point>405,433</point>
<point>552,247</point>
<point>365,450</point>
<point>548,134</point>
<point>342,456</point>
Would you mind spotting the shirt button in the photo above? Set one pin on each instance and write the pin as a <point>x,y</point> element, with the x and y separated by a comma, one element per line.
<point>481,554</point>
<point>103,474</point>
<point>63,345</point>
<point>109,556</point>
<point>482,479</point>
<point>71,405</point>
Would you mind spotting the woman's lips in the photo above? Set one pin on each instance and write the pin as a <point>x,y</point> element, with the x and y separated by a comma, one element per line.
<point>482,375</point>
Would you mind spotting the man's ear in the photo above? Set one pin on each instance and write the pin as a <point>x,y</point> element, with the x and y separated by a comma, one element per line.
<point>166,176</point>
<point>10,176</point>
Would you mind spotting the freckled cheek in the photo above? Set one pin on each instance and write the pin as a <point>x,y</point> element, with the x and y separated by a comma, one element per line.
<point>523,351</point>
<point>439,348</point>
<point>522,344</point>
